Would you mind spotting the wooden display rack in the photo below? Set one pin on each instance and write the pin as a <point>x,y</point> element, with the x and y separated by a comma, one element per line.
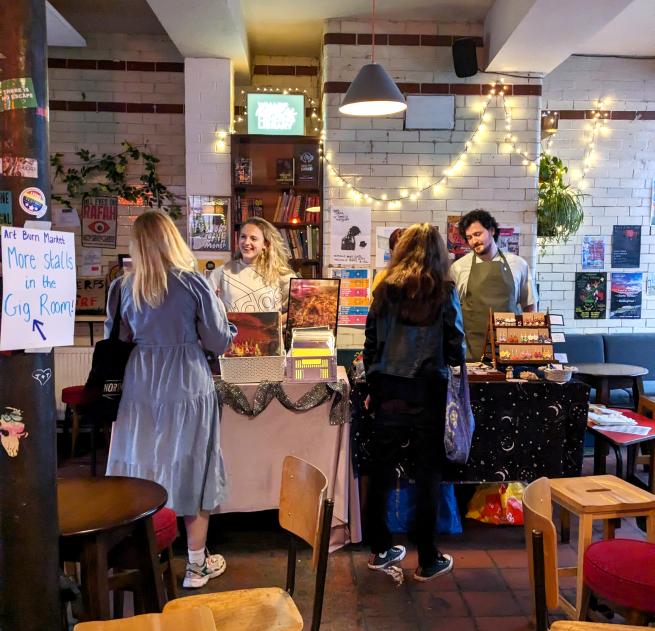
<point>518,339</point>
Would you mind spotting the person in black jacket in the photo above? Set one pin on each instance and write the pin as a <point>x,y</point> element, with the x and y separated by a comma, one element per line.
<point>414,332</point>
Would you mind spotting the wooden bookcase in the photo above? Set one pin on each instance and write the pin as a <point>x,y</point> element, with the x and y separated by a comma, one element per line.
<point>264,195</point>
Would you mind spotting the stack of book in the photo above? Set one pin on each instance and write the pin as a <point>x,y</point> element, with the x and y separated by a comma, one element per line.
<point>292,207</point>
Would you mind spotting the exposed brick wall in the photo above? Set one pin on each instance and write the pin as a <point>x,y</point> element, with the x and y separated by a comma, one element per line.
<point>619,184</point>
<point>383,157</point>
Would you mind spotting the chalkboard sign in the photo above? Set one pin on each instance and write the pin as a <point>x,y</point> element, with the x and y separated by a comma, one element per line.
<point>91,296</point>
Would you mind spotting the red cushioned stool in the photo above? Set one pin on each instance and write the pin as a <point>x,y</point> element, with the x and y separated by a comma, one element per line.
<point>73,397</point>
<point>622,571</point>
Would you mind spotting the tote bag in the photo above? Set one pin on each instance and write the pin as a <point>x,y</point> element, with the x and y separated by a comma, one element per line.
<point>460,424</point>
<point>104,386</point>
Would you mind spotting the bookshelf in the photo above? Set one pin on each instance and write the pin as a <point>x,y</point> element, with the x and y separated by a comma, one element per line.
<point>278,178</point>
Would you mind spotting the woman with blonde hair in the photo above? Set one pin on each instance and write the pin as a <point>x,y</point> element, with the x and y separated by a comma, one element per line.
<point>167,428</point>
<point>258,277</point>
<point>413,333</point>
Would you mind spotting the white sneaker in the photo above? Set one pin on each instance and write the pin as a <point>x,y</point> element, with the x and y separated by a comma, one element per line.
<point>199,575</point>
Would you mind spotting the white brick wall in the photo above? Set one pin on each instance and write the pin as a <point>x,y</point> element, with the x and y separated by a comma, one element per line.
<point>619,185</point>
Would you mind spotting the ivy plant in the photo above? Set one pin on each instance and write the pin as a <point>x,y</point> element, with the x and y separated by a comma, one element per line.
<point>106,175</point>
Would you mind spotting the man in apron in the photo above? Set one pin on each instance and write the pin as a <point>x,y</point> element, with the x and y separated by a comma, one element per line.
<point>487,278</point>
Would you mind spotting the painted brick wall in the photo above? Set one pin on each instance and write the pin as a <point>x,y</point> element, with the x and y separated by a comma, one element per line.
<point>103,131</point>
<point>619,184</point>
<point>379,156</point>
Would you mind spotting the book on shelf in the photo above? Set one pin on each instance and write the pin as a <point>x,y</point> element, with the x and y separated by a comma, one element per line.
<point>285,170</point>
<point>247,208</point>
<point>243,171</point>
<point>302,242</point>
<point>291,208</point>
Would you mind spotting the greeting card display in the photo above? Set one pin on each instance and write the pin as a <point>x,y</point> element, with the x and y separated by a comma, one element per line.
<point>313,302</point>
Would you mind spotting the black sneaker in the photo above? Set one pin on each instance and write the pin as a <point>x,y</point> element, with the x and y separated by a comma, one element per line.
<point>380,561</point>
<point>442,565</point>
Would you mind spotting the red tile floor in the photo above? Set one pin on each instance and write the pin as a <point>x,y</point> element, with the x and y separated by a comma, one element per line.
<point>488,589</point>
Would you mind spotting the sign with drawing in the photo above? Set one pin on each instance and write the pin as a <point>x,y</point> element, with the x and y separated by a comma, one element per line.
<point>350,241</point>
<point>39,290</point>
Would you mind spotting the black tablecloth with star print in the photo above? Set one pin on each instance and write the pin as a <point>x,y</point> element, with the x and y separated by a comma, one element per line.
<point>523,431</point>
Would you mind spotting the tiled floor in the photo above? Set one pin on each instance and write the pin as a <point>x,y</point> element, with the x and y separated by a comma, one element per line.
<point>487,591</point>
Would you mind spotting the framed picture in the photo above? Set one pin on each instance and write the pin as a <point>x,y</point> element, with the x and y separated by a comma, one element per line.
<point>313,302</point>
<point>209,223</point>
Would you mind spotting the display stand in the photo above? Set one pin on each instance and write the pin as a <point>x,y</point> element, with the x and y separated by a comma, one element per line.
<point>518,339</point>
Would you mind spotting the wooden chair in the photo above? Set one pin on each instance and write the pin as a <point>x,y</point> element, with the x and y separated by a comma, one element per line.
<point>191,619</point>
<point>305,512</point>
<point>541,543</point>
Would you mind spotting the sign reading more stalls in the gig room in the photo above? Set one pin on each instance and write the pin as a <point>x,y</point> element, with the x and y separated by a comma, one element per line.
<point>39,288</point>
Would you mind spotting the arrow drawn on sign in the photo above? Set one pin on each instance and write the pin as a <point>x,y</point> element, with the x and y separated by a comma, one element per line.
<point>37,324</point>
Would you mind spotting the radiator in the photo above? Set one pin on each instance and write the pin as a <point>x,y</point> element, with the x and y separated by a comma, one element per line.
<point>72,366</point>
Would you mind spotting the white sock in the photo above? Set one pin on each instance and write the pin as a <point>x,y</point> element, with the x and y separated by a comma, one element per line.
<point>196,556</point>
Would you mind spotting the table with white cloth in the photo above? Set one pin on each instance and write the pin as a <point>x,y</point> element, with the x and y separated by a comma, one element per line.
<point>254,447</point>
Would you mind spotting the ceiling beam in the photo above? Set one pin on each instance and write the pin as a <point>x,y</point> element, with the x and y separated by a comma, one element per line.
<point>538,35</point>
<point>207,29</point>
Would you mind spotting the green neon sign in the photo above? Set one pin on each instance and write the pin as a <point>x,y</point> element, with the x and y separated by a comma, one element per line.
<point>276,114</point>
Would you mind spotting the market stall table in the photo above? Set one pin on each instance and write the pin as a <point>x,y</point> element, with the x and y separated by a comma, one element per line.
<point>254,446</point>
<point>607,377</point>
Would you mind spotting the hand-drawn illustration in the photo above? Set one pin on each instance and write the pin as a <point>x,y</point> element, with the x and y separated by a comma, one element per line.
<point>12,429</point>
<point>42,375</point>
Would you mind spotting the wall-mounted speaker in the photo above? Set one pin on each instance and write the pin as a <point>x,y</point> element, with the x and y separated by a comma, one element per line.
<point>465,59</point>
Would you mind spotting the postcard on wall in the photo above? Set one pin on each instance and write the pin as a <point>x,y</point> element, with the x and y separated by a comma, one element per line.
<point>350,236</point>
<point>508,239</point>
<point>258,334</point>
<point>626,295</point>
<point>313,302</point>
<point>354,295</point>
<point>626,246</point>
<point>650,285</point>
<point>593,252</point>
<point>590,295</point>
<point>90,262</point>
<point>99,222</point>
<point>456,243</point>
<point>209,223</point>
<point>382,250</point>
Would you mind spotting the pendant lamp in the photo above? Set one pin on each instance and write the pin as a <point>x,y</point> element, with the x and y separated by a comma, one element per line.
<point>373,92</point>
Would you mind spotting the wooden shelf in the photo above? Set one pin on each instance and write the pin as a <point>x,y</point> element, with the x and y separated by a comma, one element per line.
<point>305,261</point>
<point>278,186</point>
<point>280,224</point>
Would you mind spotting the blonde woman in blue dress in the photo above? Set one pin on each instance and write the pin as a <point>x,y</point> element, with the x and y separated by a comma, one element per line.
<point>167,429</point>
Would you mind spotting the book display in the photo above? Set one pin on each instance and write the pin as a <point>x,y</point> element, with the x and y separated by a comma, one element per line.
<point>278,178</point>
<point>519,339</point>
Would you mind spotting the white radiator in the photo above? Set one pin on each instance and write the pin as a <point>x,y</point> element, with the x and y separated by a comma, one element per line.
<point>72,366</point>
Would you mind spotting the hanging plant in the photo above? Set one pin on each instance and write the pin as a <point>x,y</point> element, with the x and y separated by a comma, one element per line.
<point>107,176</point>
<point>559,206</point>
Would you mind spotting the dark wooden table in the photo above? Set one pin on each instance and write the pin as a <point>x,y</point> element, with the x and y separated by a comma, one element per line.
<point>96,515</point>
<point>607,377</point>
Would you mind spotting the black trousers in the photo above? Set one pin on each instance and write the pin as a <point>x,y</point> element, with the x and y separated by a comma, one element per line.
<point>418,418</point>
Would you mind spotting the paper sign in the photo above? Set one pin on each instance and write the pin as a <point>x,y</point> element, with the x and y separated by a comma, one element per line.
<point>354,295</point>
<point>557,337</point>
<point>65,219</point>
<point>91,296</point>
<point>38,298</point>
<point>562,358</point>
<point>91,262</point>
<point>350,236</point>
<point>99,222</point>
<point>382,250</point>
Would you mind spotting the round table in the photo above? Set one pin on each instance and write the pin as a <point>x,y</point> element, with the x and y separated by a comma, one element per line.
<point>607,377</point>
<point>97,515</point>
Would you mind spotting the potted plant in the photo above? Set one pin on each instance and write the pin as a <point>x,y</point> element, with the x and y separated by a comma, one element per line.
<point>559,206</point>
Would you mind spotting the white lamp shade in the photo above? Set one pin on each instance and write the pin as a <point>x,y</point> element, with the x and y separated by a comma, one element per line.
<point>373,93</point>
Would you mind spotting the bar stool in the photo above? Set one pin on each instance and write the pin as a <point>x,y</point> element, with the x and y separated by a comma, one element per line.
<point>74,398</point>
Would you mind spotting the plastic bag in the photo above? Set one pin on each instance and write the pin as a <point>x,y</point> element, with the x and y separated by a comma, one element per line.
<point>500,504</point>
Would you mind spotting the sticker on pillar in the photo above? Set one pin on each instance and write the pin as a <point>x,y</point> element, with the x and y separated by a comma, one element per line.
<point>12,429</point>
<point>32,201</point>
<point>17,94</point>
<point>16,166</point>
<point>42,375</point>
<point>5,208</point>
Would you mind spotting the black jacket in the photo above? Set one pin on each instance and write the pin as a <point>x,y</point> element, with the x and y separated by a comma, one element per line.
<point>411,351</point>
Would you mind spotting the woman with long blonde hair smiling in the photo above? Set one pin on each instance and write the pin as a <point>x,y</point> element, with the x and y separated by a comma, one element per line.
<point>167,428</point>
<point>258,277</point>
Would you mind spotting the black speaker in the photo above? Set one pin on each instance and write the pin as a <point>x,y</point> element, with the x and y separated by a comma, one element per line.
<point>465,59</point>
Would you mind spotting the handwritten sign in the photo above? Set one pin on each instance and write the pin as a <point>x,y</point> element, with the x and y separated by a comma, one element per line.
<point>38,297</point>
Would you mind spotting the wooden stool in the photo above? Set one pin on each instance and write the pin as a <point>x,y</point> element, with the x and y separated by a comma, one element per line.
<point>600,497</point>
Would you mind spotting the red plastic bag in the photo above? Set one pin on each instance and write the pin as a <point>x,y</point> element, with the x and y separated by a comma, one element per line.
<point>500,504</point>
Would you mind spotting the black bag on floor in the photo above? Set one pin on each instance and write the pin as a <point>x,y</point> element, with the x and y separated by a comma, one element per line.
<point>104,386</point>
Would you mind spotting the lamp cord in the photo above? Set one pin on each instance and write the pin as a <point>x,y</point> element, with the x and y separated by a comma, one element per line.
<point>373,36</point>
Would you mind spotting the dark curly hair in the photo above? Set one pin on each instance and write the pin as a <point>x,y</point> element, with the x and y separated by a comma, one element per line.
<point>486,219</point>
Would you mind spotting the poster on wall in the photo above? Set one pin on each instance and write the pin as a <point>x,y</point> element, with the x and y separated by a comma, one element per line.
<point>593,253</point>
<point>590,295</point>
<point>350,240</point>
<point>5,208</point>
<point>508,239</point>
<point>456,243</point>
<point>650,285</point>
<point>209,221</point>
<point>626,246</point>
<point>382,251</point>
<point>99,222</point>
<point>626,295</point>
<point>652,202</point>
<point>354,295</point>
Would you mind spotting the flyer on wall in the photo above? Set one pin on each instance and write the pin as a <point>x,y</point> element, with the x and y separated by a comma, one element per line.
<point>354,295</point>
<point>590,295</point>
<point>650,285</point>
<point>99,222</point>
<point>593,253</point>
<point>508,239</point>
<point>456,243</point>
<point>350,240</point>
<point>626,246</point>
<point>382,251</point>
<point>209,222</point>
<point>626,295</point>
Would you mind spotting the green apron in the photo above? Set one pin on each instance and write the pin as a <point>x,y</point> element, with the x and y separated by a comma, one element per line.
<point>490,284</point>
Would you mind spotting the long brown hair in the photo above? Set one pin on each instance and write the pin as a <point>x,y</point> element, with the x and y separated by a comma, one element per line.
<point>416,282</point>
